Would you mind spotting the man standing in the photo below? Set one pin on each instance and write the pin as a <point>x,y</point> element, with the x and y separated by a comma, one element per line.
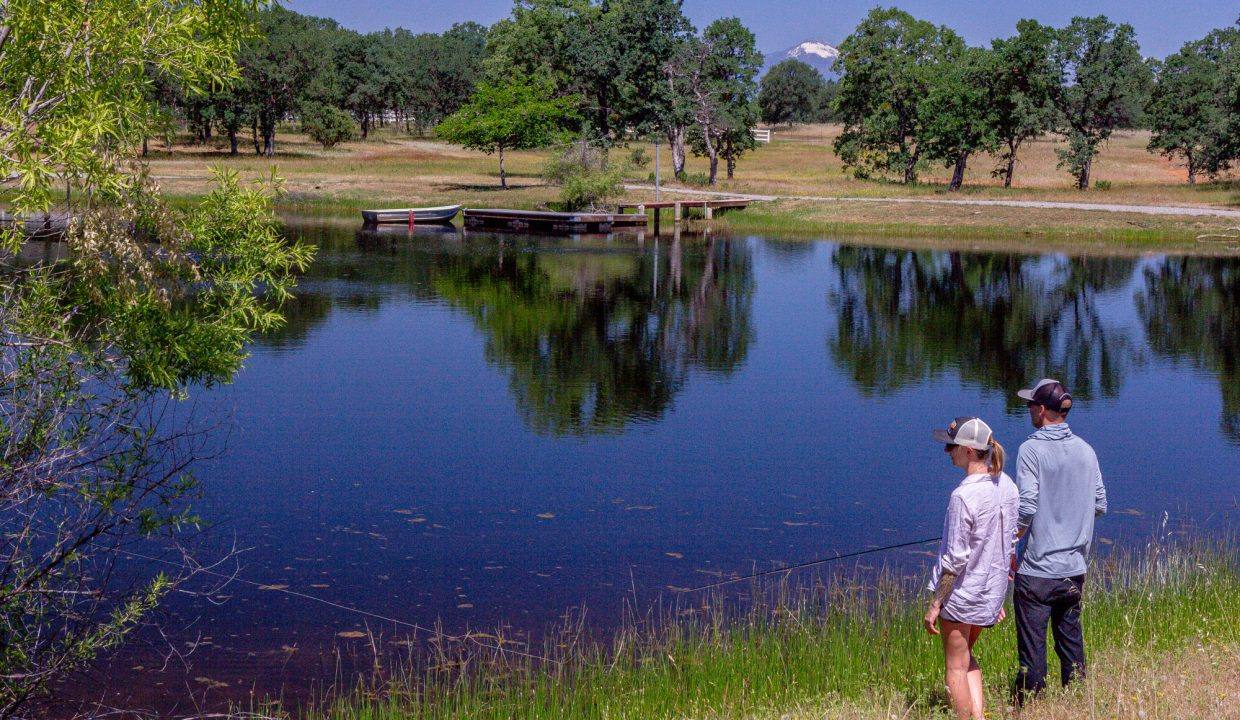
<point>1061,492</point>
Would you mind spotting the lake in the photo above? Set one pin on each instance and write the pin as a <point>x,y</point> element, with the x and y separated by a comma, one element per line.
<point>481,430</point>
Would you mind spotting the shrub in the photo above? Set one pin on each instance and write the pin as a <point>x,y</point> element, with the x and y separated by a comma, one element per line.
<point>328,125</point>
<point>586,179</point>
<point>698,178</point>
<point>1102,184</point>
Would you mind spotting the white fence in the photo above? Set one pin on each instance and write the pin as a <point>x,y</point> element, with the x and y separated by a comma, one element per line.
<point>762,135</point>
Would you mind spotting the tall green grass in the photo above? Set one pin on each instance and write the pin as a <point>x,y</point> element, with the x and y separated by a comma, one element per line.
<point>798,223</point>
<point>787,645</point>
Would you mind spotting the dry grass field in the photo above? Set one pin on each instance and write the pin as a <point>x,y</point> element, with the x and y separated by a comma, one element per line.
<point>393,169</point>
<point>1197,683</point>
<point>801,158</point>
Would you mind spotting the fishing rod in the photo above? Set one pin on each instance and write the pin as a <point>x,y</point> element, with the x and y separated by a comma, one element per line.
<point>798,566</point>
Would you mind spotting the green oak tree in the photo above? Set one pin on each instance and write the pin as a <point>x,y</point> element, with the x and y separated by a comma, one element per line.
<point>1023,83</point>
<point>888,63</point>
<point>289,56</point>
<point>517,115</point>
<point>611,55</point>
<point>957,113</point>
<point>1103,82</point>
<point>359,65</point>
<point>721,68</point>
<point>790,92</point>
<point>1190,109</point>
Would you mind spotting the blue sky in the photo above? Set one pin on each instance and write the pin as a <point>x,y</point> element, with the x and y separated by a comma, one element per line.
<point>1162,27</point>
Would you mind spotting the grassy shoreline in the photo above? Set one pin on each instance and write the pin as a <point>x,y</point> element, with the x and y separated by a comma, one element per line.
<point>395,170</point>
<point>841,649</point>
<point>793,225</point>
<point>1119,232</point>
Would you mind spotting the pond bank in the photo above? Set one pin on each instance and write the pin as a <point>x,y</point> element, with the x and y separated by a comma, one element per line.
<point>844,649</point>
<point>985,227</point>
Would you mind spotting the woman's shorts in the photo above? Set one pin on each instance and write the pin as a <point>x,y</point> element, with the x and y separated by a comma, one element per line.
<point>943,614</point>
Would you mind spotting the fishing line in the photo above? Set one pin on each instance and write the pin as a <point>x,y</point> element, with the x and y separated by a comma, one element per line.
<point>821,561</point>
<point>498,648</point>
<point>338,606</point>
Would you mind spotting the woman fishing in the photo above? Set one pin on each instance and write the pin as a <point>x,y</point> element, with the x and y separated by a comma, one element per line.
<point>970,579</point>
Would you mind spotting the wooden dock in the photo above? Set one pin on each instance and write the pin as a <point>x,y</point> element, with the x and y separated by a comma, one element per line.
<point>680,208</point>
<point>544,221</point>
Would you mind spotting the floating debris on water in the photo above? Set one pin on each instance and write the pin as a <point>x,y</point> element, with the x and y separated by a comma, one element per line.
<point>678,556</point>
<point>273,587</point>
<point>546,515</point>
<point>351,634</point>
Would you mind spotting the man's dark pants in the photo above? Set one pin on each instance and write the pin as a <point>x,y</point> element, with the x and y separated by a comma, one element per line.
<point>1040,601</point>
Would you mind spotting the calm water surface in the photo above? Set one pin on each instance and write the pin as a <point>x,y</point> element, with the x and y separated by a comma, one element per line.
<point>482,430</point>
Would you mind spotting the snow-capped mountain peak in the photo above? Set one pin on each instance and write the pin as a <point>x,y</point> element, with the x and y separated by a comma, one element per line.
<point>815,53</point>
<point>811,47</point>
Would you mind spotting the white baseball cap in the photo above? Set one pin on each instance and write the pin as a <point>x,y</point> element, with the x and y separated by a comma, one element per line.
<point>970,432</point>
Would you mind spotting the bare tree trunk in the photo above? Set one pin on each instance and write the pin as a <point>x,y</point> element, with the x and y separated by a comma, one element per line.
<point>232,141</point>
<point>910,168</point>
<point>269,136</point>
<point>731,158</point>
<point>503,177</point>
<point>258,149</point>
<point>1013,146</point>
<point>676,141</point>
<point>713,152</point>
<point>365,125</point>
<point>958,172</point>
<point>145,148</point>
<point>1082,180</point>
<point>1192,168</point>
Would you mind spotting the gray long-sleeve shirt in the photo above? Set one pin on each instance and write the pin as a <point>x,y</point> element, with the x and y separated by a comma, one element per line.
<point>1061,492</point>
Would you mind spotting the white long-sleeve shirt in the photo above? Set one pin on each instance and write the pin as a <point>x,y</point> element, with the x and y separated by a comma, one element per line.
<point>979,537</point>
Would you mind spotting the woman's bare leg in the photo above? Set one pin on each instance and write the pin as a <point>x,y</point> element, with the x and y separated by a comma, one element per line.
<point>957,658</point>
<point>975,677</point>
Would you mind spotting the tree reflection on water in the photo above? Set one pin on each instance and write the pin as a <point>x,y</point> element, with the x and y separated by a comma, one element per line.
<point>1190,307</point>
<point>594,335</point>
<point>594,341</point>
<point>999,320</point>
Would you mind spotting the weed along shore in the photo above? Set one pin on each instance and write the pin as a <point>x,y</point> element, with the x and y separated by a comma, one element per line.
<point>843,647</point>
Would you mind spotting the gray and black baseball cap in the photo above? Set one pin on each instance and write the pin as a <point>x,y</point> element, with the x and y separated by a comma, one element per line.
<point>1049,393</point>
<point>970,432</point>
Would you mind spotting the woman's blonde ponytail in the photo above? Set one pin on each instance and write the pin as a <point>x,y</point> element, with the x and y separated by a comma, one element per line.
<point>996,456</point>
